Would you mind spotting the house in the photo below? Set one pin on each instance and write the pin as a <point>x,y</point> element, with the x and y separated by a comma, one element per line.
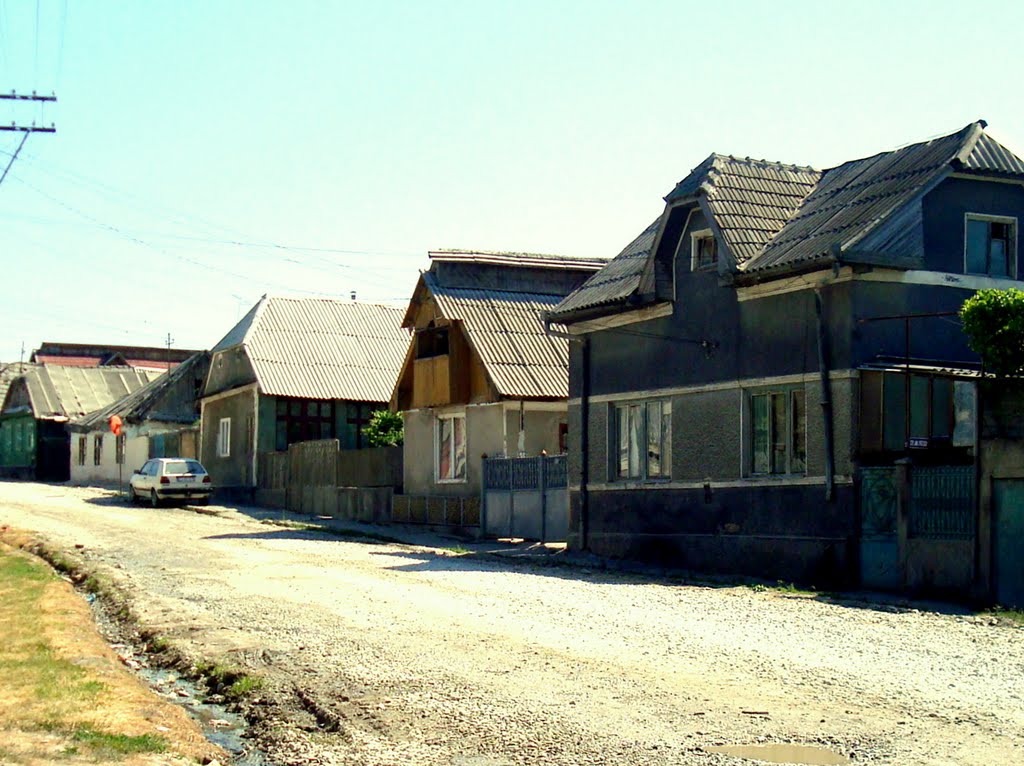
<point>161,419</point>
<point>481,376</point>
<point>34,442</point>
<point>771,378</point>
<point>100,355</point>
<point>295,370</point>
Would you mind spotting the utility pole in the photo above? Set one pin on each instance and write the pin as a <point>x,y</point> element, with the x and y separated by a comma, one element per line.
<point>25,129</point>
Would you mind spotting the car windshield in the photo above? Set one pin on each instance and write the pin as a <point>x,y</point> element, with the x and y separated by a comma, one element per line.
<point>182,466</point>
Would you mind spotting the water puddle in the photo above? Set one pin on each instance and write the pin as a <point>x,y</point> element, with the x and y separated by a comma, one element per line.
<point>219,725</point>
<point>804,755</point>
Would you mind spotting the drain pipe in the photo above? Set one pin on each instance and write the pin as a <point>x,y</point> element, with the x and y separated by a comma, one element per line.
<point>826,399</point>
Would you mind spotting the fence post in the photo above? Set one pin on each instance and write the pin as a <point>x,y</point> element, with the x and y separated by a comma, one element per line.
<point>483,498</point>
<point>542,480</point>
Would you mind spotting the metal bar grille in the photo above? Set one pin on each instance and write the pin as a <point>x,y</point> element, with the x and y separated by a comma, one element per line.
<point>942,503</point>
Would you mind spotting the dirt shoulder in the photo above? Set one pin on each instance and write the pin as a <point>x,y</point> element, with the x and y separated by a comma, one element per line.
<point>65,697</point>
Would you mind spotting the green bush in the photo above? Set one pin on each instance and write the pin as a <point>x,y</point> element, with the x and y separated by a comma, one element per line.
<point>994,323</point>
<point>384,429</point>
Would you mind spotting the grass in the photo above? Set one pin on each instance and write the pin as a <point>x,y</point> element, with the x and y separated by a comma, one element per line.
<point>1015,616</point>
<point>45,696</point>
<point>458,550</point>
<point>233,683</point>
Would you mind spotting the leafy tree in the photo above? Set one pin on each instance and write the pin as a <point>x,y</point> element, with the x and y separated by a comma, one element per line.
<point>994,323</point>
<point>384,429</point>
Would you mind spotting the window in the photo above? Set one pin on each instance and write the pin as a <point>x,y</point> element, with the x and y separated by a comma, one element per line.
<point>704,250</point>
<point>642,433</point>
<point>778,432</point>
<point>898,412</point>
<point>302,420</point>
<point>97,449</point>
<point>224,438</point>
<point>990,245</point>
<point>451,448</point>
<point>81,450</point>
<point>431,341</point>
<point>119,449</point>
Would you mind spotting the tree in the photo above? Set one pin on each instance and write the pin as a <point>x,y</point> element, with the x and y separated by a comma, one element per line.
<point>994,323</point>
<point>384,429</point>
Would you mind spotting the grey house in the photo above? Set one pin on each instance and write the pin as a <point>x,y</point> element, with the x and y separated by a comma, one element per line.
<point>759,375</point>
<point>295,370</point>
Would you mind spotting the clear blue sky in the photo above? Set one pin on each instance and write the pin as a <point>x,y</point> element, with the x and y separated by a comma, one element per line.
<point>339,142</point>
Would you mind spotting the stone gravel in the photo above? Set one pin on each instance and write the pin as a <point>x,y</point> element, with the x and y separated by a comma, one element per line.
<point>381,653</point>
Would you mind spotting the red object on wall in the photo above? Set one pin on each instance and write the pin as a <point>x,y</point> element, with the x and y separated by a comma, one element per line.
<point>115,424</point>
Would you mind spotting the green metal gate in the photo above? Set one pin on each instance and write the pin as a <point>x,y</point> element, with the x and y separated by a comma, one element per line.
<point>879,544</point>
<point>942,504</point>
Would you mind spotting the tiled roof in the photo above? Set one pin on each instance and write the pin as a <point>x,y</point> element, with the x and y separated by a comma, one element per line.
<point>616,281</point>
<point>58,392</point>
<point>319,348</point>
<point>138,405</point>
<point>853,198</point>
<point>777,217</point>
<point>507,331</point>
<point>750,200</point>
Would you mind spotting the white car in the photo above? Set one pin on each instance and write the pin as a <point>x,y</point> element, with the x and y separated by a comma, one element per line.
<point>170,478</point>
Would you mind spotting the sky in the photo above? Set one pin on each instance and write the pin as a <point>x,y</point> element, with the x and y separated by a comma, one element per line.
<point>208,153</point>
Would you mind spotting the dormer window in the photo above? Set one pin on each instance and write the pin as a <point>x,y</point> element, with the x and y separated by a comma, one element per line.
<point>431,341</point>
<point>704,250</point>
<point>990,245</point>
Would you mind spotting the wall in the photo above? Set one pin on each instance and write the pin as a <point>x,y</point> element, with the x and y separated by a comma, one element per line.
<point>944,209</point>
<point>228,369</point>
<point>234,472</point>
<point>136,453</point>
<point>17,443</point>
<point>540,430</point>
<point>483,436</point>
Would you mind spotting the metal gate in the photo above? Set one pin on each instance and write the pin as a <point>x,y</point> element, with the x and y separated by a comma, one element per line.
<point>1008,504</point>
<point>526,497</point>
<point>879,542</point>
<point>942,502</point>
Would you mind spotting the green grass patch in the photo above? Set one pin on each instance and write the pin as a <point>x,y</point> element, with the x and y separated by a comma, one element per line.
<point>233,683</point>
<point>102,743</point>
<point>458,550</point>
<point>1015,616</point>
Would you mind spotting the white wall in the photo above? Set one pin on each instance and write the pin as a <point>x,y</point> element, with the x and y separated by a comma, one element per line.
<point>136,453</point>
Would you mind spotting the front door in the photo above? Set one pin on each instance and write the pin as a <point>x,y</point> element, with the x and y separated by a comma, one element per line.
<point>879,544</point>
<point>1008,508</point>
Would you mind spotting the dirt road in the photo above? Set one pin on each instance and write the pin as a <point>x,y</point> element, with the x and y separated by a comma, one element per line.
<point>379,654</point>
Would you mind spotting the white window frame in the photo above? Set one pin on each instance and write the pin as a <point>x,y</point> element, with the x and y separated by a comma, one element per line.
<point>1011,221</point>
<point>453,416</point>
<point>749,425</point>
<point>224,437</point>
<point>695,238</point>
<point>643,461</point>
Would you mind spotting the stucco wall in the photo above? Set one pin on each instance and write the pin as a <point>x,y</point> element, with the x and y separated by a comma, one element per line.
<point>484,435</point>
<point>235,470</point>
<point>136,453</point>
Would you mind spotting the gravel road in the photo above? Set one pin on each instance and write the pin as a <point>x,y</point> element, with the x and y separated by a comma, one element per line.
<point>378,653</point>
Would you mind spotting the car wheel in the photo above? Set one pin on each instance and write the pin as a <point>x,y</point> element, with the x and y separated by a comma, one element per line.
<point>153,499</point>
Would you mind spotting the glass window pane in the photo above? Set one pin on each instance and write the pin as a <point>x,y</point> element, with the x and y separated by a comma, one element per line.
<point>282,407</point>
<point>666,439</point>
<point>798,461</point>
<point>919,400</point>
<point>942,408</point>
<point>977,247</point>
<point>444,457</point>
<point>998,264</point>
<point>326,429</point>
<point>779,433</point>
<point>295,408</point>
<point>635,438</point>
<point>622,418</point>
<point>894,405</point>
<point>759,431</point>
<point>281,436</point>
<point>325,409</point>
<point>654,438</point>
<point>459,435</point>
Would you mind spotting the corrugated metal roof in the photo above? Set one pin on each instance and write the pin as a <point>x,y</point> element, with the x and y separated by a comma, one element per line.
<point>990,156</point>
<point>507,331</point>
<point>318,348</point>
<point>58,392</point>
<point>508,258</point>
<point>616,281</point>
<point>8,372</point>
<point>136,406</point>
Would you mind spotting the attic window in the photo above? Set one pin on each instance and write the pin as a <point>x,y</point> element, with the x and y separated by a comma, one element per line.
<point>990,245</point>
<point>432,341</point>
<point>704,250</point>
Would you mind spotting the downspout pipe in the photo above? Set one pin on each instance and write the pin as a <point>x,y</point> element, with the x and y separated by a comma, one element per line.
<point>826,398</point>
